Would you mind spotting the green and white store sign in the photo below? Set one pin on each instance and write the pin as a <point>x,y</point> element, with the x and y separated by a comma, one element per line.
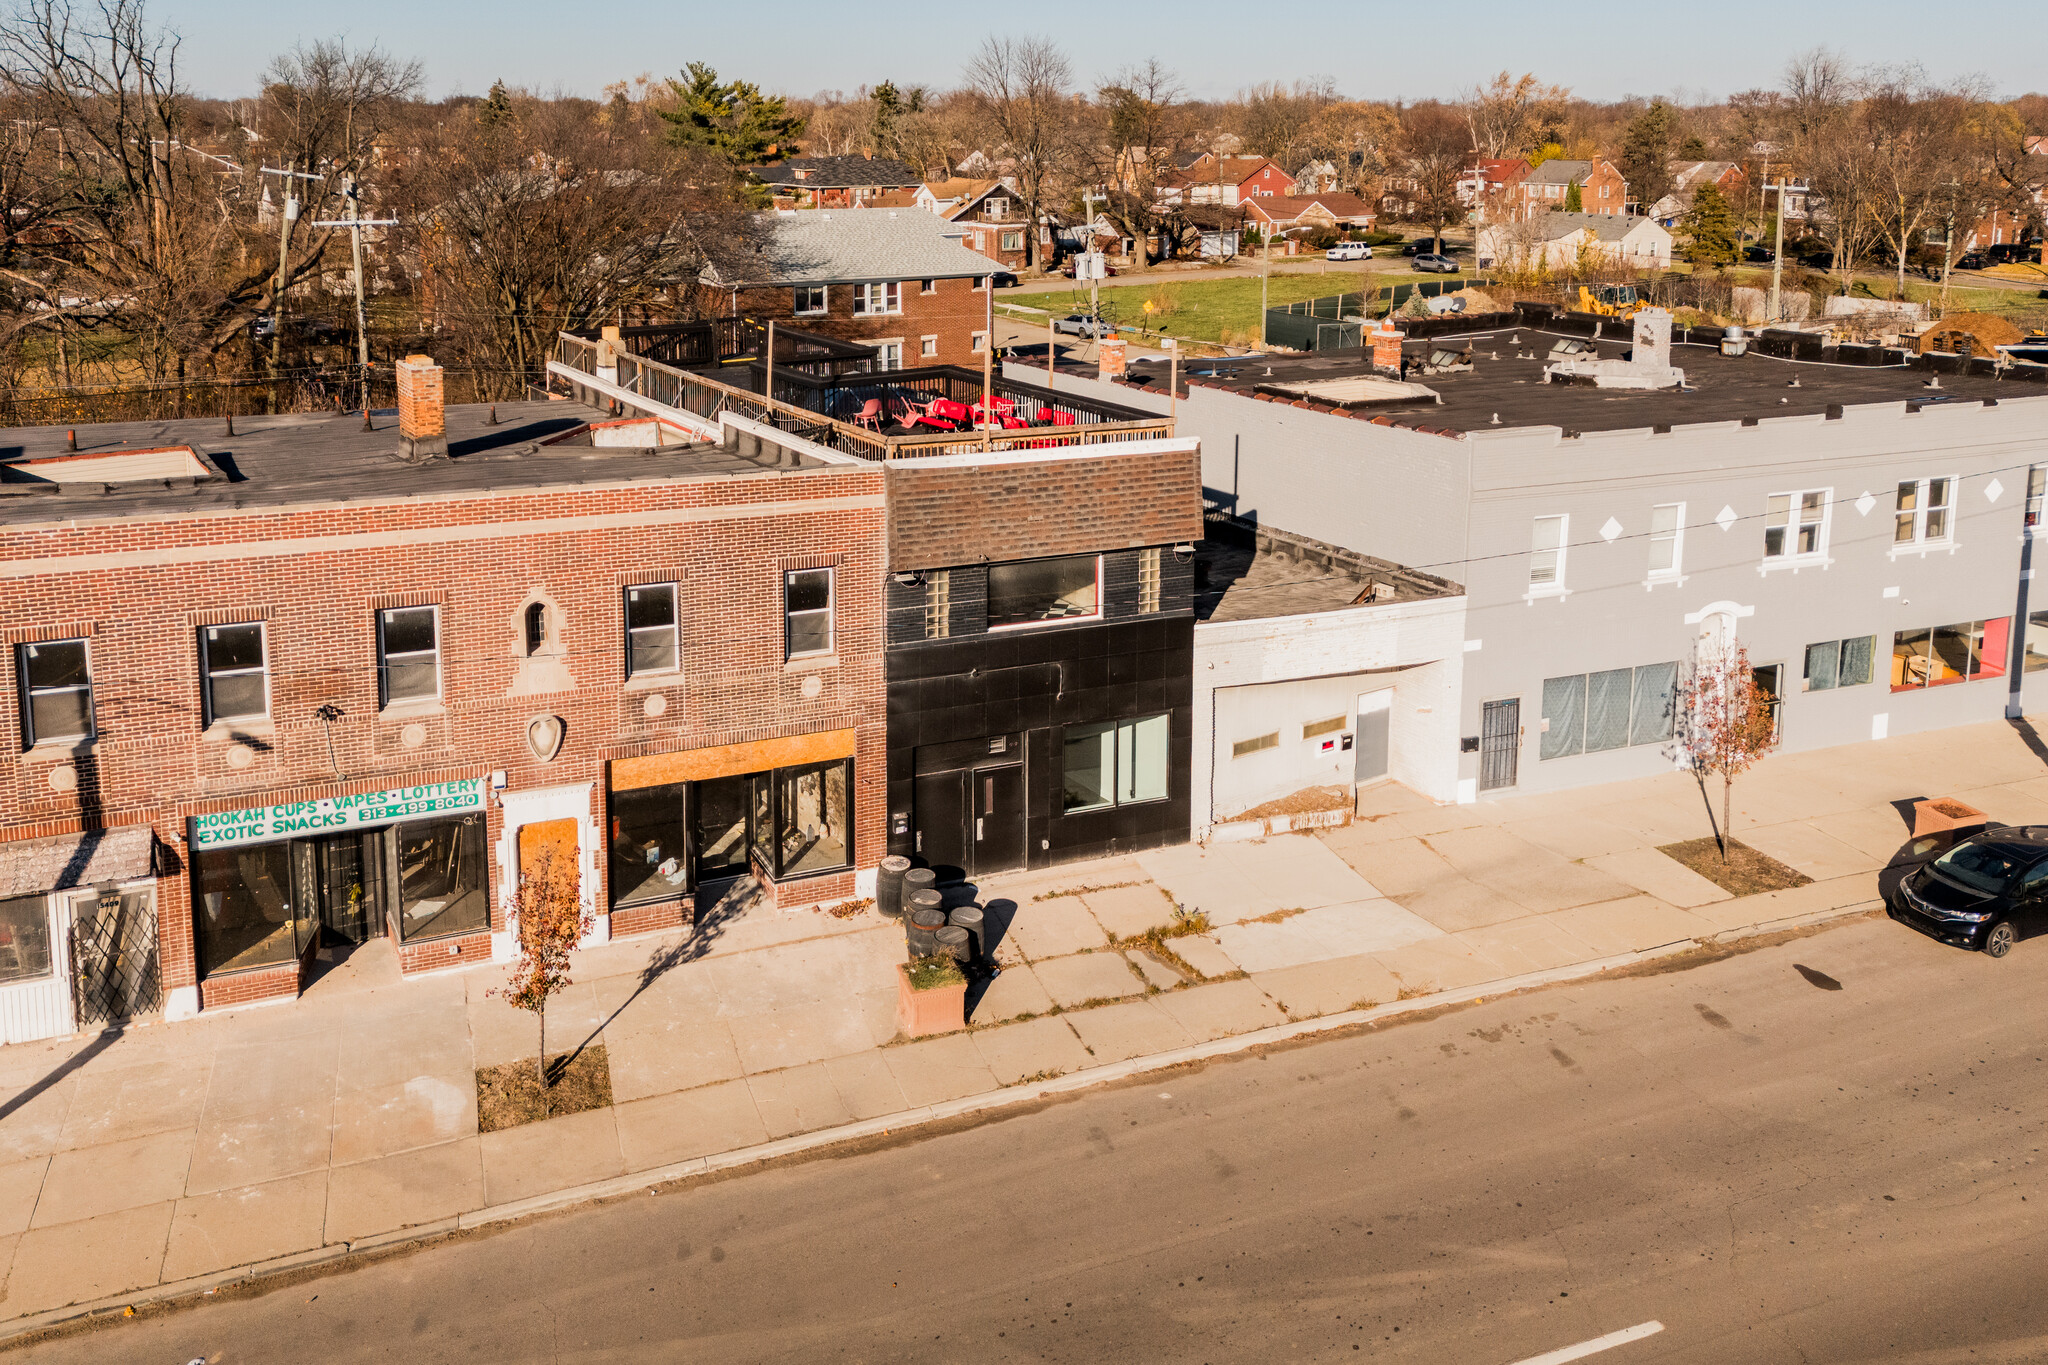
<point>331,814</point>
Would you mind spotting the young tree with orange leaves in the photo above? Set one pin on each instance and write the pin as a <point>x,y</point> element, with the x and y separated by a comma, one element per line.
<point>549,919</point>
<point>1726,722</point>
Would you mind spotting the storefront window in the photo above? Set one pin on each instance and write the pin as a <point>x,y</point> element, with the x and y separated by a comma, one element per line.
<point>442,883</point>
<point>1118,763</point>
<point>1038,590</point>
<point>721,827</point>
<point>813,817</point>
<point>24,939</point>
<point>243,908</point>
<point>650,847</point>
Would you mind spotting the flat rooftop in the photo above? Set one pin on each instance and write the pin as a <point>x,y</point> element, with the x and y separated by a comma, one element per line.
<point>1506,382</point>
<point>328,457</point>
<point>1245,572</point>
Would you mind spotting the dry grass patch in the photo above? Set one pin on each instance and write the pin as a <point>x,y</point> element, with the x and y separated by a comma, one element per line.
<point>510,1094</point>
<point>1745,872</point>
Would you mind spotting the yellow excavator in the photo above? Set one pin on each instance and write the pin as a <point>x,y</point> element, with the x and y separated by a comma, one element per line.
<point>1610,300</point>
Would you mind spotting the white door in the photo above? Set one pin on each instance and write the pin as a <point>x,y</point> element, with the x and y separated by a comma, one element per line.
<point>1375,710</point>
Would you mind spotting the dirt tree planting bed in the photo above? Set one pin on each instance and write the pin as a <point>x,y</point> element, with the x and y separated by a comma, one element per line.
<point>1746,871</point>
<point>509,1094</point>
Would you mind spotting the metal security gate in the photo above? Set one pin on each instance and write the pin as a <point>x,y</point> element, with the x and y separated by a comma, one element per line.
<point>1500,743</point>
<point>114,958</point>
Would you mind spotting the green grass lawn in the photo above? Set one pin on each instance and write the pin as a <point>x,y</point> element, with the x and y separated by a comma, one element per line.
<point>1204,310</point>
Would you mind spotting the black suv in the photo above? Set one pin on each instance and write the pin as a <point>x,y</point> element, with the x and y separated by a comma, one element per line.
<point>1987,892</point>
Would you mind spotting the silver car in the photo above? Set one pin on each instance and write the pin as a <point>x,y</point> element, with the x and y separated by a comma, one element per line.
<point>1082,325</point>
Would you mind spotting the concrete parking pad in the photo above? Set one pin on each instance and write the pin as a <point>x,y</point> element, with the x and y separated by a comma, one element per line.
<point>1011,992</point>
<point>1034,1047</point>
<point>406,1190</point>
<point>254,1223</point>
<point>940,1069</point>
<point>691,1123</point>
<point>553,1154</point>
<point>1203,953</point>
<point>799,1100</point>
<point>121,1175</point>
<point>1053,928</point>
<point>1660,875</point>
<point>1132,1029</point>
<point>1314,935</point>
<point>94,1259</point>
<point>1219,1009</point>
<point>1128,911</point>
<point>1317,988</point>
<point>1629,926</point>
<point>1083,977</point>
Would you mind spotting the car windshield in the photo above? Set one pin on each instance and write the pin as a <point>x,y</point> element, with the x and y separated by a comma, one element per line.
<point>1982,867</point>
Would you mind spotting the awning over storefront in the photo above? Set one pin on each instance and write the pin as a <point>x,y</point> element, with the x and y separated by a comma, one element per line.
<point>62,861</point>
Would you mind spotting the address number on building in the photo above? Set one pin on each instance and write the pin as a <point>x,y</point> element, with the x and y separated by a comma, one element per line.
<point>330,813</point>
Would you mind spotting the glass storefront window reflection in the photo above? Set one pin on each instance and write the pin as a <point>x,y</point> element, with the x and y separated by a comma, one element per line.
<point>24,939</point>
<point>650,851</point>
<point>443,886</point>
<point>244,908</point>
<point>813,818</point>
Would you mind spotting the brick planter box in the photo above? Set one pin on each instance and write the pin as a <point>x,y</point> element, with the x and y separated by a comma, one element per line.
<point>942,1009</point>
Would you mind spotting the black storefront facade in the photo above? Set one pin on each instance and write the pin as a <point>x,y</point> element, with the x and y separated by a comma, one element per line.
<point>1040,711</point>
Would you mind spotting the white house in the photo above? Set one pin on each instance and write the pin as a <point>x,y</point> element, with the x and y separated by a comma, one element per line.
<point>1555,239</point>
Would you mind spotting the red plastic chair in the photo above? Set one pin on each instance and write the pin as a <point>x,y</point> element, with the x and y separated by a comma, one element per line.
<point>1063,419</point>
<point>870,415</point>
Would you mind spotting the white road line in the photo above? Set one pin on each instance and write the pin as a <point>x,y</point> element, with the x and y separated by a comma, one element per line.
<point>1596,1345</point>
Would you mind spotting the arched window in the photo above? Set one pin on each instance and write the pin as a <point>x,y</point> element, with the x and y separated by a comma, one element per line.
<point>536,627</point>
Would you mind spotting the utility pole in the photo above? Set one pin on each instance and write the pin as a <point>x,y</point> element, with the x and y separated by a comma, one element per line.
<point>355,223</point>
<point>1948,244</point>
<point>1265,240</point>
<point>287,214</point>
<point>1777,253</point>
<point>1094,280</point>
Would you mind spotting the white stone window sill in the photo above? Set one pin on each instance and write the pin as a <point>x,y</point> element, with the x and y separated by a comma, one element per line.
<point>242,727</point>
<point>652,682</point>
<point>1535,595</point>
<point>57,750</point>
<point>1921,550</point>
<point>1664,580</point>
<point>1795,563</point>
<point>810,663</point>
<point>413,710</point>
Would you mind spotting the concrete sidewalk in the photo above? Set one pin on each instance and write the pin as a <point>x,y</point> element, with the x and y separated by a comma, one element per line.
<point>177,1152</point>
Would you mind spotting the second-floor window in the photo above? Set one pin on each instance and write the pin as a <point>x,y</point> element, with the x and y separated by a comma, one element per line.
<point>1546,553</point>
<point>652,634</point>
<point>1667,532</point>
<point>1921,512</point>
<point>409,654</point>
<point>871,300</point>
<point>56,691</point>
<point>1038,591</point>
<point>2037,484</point>
<point>1796,524</point>
<point>807,612</point>
<point>234,668</point>
<point>810,300</point>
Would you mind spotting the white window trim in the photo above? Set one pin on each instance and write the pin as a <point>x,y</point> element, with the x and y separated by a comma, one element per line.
<point>206,676</point>
<point>1556,587</point>
<point>1061,620</point>
<point>1794,559</point>
<point>1676,573</point>
<point>977,342</point>
<point>385,701</point>
<point>831,610</point>
<point>864,296</point>
<point>674,628</point>
<point>1922,544</point>
<point>880,343</point>
<point>927,346</point>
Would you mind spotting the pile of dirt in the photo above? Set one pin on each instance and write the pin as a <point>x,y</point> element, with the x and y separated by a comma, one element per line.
<point>1299,803</point>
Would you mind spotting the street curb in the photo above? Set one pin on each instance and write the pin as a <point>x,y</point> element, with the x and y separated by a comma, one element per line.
<point>611,1188</point>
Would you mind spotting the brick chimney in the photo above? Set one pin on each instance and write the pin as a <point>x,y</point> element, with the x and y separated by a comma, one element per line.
<point>422,412</point>
<point>1386,347</point>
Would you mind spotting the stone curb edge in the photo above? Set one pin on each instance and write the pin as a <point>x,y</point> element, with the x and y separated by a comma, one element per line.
<point>908,1118</point>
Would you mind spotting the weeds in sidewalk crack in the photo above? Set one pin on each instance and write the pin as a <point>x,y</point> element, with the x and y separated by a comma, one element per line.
<point>1082,890</point>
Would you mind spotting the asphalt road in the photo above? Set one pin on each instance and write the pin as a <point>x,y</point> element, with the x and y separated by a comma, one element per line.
<point>1824,1151</point>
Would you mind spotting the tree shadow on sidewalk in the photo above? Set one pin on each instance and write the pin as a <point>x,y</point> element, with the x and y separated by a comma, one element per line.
<point>728,904</point>
<point>75,1062</point>
<point>2029,737</point>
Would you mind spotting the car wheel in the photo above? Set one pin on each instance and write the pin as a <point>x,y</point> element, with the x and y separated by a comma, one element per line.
<point>1999,941</point>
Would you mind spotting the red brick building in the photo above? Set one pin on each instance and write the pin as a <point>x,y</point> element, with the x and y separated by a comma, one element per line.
<point>278,693</point>
<point>1234,180</point>
<point>899,280</point>
<point>993,223</point>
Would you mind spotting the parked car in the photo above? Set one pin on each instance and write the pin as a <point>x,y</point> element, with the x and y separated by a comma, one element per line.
<point>1004,279</point>
<point>1986,893</point>
<point>1972,260</point>
<point>2007,253</point>
<point>1348,251</point>
<point>1082,325</point>
<point>1428,261</point>
<point>1758,252</point>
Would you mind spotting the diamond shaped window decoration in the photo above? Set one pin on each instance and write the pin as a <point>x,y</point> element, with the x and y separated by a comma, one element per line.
<point>1865,503</point>
<point>1726,519</point>
<point>1610,530</point>
<point>1993,491</point>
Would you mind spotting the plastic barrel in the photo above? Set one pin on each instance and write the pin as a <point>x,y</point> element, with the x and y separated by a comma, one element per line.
<point>889,885</point>
<point>969,917</point>
<point>956,943</point>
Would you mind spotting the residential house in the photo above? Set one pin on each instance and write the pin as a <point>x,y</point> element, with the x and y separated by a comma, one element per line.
<point>1864,544</point>
<point>834,182</point>
<point>994,222</point>
<point>1688,176</point>
<point>1557,240</point>
<point>1304,213</point>
<point>253,722</point>
<point>1317,177</point>
<point>1488,186</point>
<point>896,279</point>
<point>1602,189</point>
<point>1229,180</point>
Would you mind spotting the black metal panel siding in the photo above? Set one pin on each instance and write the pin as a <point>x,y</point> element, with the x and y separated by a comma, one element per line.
<point>1037,682</point>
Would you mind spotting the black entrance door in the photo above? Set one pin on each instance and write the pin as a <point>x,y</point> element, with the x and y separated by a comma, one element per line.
<point>998,819</point>
<point>720,817</point>
<point>1500,743</point>
<point>942,834</point>
<point>349,881</point>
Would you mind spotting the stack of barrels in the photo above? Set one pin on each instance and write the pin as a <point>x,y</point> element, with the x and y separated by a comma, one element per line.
<point>907,893</point>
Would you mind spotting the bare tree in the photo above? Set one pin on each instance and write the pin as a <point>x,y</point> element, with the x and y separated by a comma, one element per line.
<point>1503,114</point>
<point>1436,145</point>
<point>1913,145</point>
<point>1142,129</point>
<point>1021,86</point>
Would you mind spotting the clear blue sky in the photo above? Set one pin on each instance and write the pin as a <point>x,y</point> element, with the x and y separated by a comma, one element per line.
<point>1374,50</point>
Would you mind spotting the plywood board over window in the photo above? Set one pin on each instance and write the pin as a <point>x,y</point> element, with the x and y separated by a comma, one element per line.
<point>724,760</point>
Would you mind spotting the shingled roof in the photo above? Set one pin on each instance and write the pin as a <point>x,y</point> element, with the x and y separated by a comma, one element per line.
<point>838,173</point>
<point>843,246</point>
